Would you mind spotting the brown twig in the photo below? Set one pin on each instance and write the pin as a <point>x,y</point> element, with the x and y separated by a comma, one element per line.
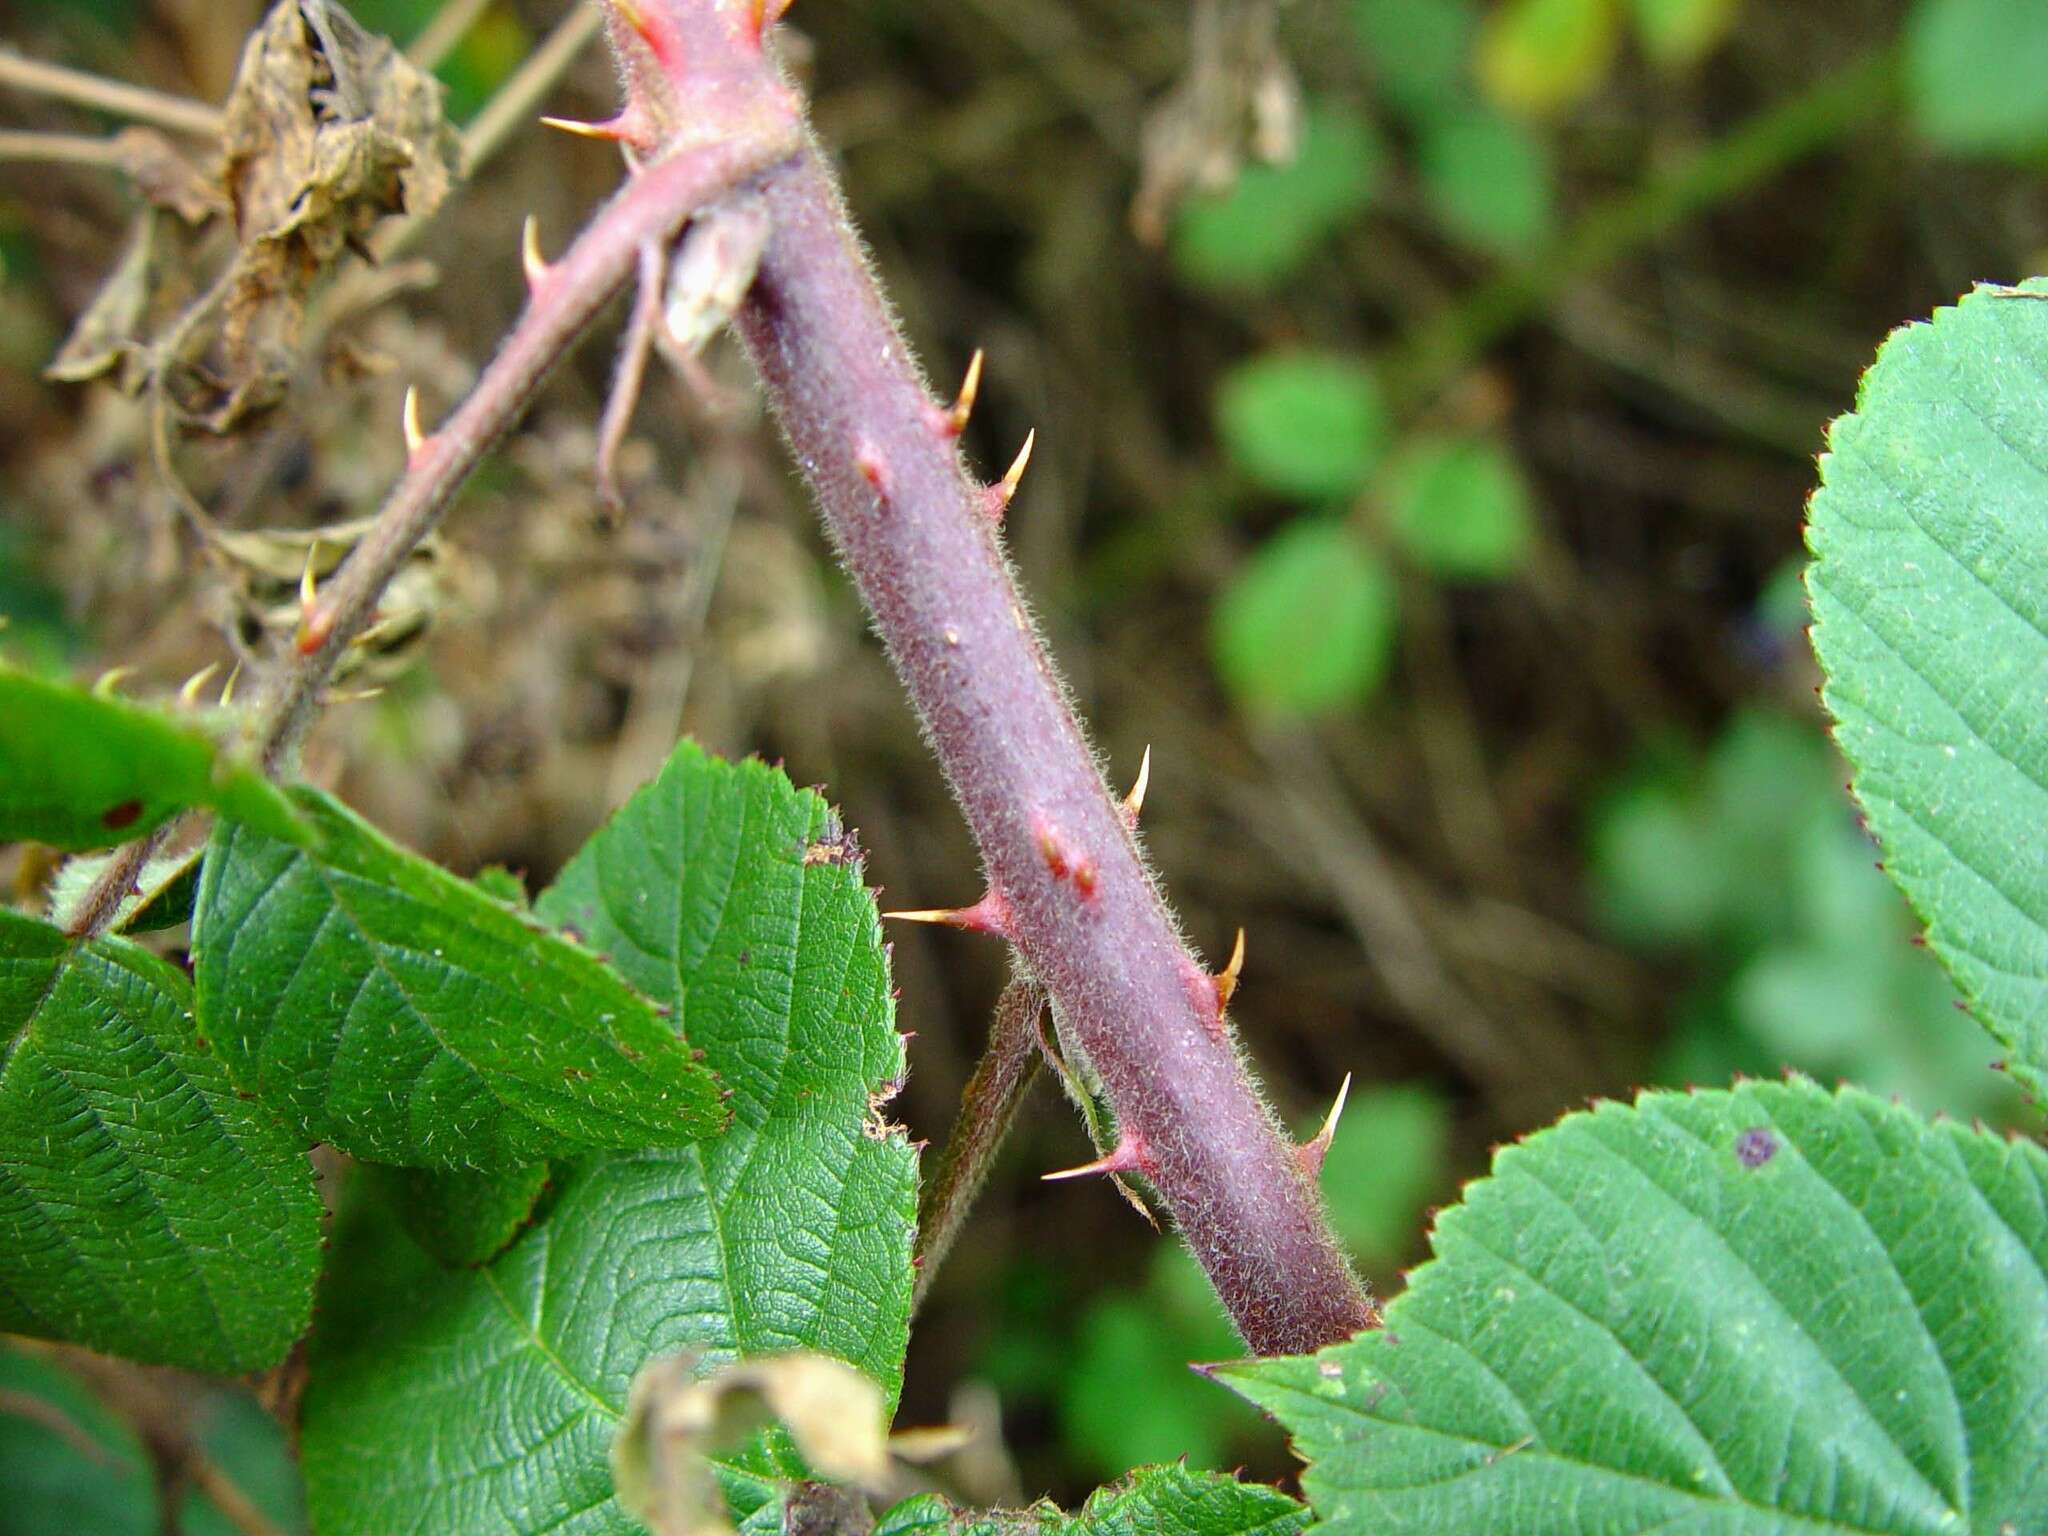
<point>439,37</point>
<point>62,149</point>
<point>988,1107</point>
<point>181,114</point>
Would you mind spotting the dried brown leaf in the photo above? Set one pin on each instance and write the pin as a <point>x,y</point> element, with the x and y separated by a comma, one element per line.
<point>107,334</point>
<point>166,178</point>
<point>328,131</point>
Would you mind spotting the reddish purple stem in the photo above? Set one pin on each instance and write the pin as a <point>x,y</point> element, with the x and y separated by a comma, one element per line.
<point>1079,902</point>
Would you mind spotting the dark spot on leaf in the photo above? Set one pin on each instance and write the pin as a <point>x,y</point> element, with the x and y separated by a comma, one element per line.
<point>575,1075</point>
<point>126,814</point>
<point>1755,1147</point>
<point>746,958</point>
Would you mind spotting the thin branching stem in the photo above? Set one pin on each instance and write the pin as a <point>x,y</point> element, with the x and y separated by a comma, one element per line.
<point>180,114</point>
<point>988,1107</point>
<point>19,144</point>
<point>440,37</point>
<point>649,210</point>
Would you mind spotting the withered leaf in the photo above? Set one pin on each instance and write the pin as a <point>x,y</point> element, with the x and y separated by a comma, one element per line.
<point>678,1421</point>
<point>106,334</point>
<point>166,178</point>
<point>328,130</point>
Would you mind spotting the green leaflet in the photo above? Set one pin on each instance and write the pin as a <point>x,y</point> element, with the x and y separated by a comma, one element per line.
<point>488,1400</point>
<point>66,1463</point>
<point>145,1209</point>
<point>461,1216</point>
<point>1152,1501</point>
<point>400,1013</point>
<point>1767,1310</point>
<point>1930,603</point>
<point>78,770</point>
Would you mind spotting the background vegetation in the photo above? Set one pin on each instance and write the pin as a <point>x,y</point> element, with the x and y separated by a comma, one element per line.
<point>1427,395</point>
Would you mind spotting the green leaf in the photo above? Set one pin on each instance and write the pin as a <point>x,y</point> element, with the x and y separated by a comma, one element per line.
<point>1152,1501</point>
<point>1307,424</point>
<point>1768,1310</point>
<point>1308,627</point>
<point>160,897</point>
<point>1488,179</point>
<point>462,1216</point>
<point>1540,56</point>
<point>1678,33</point>
<point>251,1448</point>
<point>1275,217</point>
<point>398,1012</point>
<point>1930,606</point>
<point>1420,51</point>
<point>455,1402</point>
<point>145,1208</point>
<point>1973,74</point>
<point>79,770</point>
<point>67,1464</point>
<point>1461,509</point>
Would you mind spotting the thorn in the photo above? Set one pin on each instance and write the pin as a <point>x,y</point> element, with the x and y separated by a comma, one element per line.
<point>1134,802</point>
<point>1004,491</point>
<point>414,437</point>
<point>1128,1156</point>
<point>227,689</point>
<point>309,591</point>
<point>628,128</point>
<point>873,469</point>
<point>1063,862</point>
<point>529,254</point>
<point>765,13</point>
<point>987,915</point>
<point>109,683</point>
<point>963,403</point>
<point>188,696</point>
<point>314,626</point>
<point>1226,979</point>
<point>1311,1152</point>
<point>652,30</point>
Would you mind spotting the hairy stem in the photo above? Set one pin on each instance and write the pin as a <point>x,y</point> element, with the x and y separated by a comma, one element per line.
<point>1068,885</point>
<point>988,1106</point>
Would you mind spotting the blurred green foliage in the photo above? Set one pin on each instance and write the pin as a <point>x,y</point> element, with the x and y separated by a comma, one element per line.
<point>1275,217</point>
<point>66,1462</point>
<point>69,1463</point>
<point>1978,74</point>
<point>1746,862</point>
<point>1304,424</point>
<point>1487,178</point>
<point>249,1446</point>
<point>1537,56</point>
<point>1460,508</point>
<point>1308,626</point>
<point>34,630</point>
